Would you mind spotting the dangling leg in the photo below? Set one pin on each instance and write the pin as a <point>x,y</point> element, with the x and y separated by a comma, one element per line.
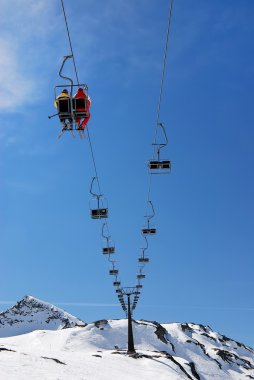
<point>69,124</point>
<point>77,121</point>
<point>70,127</point>
<point>64,127</point>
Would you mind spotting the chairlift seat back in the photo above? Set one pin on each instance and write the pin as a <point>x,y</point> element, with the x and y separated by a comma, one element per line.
<point>99,213</point>
<point>149,231</point>
<point>140,276</point>
<point>113,271</point>
<point>108,250</point>
<point>143,260</point>
<point>64,107</point>
<point>159,165</point>
<point>79,106</point>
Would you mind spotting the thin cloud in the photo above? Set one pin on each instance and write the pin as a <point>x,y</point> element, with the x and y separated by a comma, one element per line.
<point>80,304</point>
<point>14,87</point>
<point>24,51</point>
<point>86,304</point>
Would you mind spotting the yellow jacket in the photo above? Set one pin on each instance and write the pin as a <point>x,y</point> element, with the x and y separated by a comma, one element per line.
<point>62,95</point>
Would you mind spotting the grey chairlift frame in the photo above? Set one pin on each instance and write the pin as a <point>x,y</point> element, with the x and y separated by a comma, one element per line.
<point>110,248</point>
<point>144,259</point>
<point>99,212</point>
<point>70,103</point>
<point>149,230</point>
<point>158,166</point>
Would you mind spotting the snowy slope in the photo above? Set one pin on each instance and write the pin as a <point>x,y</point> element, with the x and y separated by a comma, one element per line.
<point>31,314</point>
<point>97,351</point>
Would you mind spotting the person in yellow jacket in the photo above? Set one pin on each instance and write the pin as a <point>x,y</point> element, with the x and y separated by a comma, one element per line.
<point>66,108</point>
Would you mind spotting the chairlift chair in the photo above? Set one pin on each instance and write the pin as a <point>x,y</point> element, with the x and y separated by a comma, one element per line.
<point>149,230</point>
<point>143,260</point>
<point>108,250</point>
<point>141,276</point>
<point>99,213</point>
<point>70,107</point>
<point>113,272</point>
<point>96,211</point>
<point>156,165</point>
<point>159,165</point>
<point>116,283</point>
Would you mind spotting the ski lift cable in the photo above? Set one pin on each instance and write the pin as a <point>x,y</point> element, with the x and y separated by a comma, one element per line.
<point>113,262</point>
<point>69,37</point>
<point>160,93</point>
<point>158,123</point>
<point>163,69</point>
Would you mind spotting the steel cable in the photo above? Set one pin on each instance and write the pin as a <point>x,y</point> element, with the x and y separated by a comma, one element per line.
<point>141,267</point>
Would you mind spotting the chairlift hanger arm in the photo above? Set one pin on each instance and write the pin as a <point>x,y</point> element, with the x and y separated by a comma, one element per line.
<point>91,187</point>
<point>61,69</point>
<point>107,237</point>
<point>146,247</point>
<point>162,145</point>
<point>150,216</point>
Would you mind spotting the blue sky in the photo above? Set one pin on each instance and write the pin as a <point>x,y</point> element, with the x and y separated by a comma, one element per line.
<point>201,261</point>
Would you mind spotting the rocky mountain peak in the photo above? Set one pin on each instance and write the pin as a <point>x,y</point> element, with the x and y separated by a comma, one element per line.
<point>31,314</point>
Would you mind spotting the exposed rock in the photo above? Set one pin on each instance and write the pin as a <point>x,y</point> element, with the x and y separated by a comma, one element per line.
<point>31,314</point>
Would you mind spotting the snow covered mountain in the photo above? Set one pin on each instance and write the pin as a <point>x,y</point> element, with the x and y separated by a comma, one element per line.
<point>175,351</point>
<point>31,314</point>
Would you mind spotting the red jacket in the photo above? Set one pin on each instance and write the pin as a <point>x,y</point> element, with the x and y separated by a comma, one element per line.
<point>81,94</point>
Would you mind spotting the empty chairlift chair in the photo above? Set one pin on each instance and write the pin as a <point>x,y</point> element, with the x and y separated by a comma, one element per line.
<point>159,165</point>
<point>99,213</point>
<point>96,209</point>
<point>108,250</point>
<point>156,165</point>
<point>143,259</point>
<point>109,247</point>
<point>149,230</point>
<point>113,272</point>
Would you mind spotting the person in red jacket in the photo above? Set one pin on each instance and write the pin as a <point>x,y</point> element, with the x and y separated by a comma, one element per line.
<point>80,94</point>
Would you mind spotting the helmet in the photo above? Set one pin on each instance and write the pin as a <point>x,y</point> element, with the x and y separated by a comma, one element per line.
<point>65,91</point>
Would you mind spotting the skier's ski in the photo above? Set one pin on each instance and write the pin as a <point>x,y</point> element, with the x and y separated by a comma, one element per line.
<point>82,134</point>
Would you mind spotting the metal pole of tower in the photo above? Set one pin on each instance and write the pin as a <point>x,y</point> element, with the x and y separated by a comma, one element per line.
<point>131,348</point>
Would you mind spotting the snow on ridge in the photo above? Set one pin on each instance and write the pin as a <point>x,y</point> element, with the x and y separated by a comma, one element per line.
<point>177,351</point>
<point>31,314</point>
<point>169,350</point>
